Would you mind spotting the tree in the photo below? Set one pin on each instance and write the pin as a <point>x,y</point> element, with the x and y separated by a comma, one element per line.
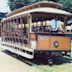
<point>15,4</point>
<point>67,5</point>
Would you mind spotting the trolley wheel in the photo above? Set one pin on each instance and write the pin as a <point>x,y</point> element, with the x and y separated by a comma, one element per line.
<point>50,62</point>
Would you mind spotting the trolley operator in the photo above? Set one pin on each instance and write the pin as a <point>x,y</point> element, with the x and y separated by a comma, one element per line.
<point>56,25</point>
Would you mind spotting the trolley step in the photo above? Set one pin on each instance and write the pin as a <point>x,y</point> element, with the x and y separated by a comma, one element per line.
<point>24,54</point>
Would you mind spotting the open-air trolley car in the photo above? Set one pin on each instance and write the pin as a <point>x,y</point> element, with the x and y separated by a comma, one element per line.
<point>37,29</point>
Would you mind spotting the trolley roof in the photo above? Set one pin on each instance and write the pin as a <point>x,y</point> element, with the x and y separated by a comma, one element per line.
<point>41,10</point>
<point>36,5</point>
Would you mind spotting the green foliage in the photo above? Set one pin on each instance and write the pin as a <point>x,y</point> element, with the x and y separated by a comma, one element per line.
<point>67,5</point>
<point>15,4</point>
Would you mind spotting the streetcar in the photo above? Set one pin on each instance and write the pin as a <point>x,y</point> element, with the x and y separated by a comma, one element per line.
<point>37,29</point>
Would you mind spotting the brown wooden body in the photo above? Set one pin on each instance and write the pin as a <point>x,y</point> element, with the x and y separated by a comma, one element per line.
<point>47,43</point>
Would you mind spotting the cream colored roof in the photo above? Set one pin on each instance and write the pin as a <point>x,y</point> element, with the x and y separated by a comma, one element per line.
<point>36,5</point>
<point>44,10</point>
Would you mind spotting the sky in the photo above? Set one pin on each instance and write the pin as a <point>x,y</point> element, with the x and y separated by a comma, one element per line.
<point>4,6</point>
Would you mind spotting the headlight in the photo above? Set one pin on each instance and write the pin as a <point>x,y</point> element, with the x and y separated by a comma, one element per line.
<point>56,43</point>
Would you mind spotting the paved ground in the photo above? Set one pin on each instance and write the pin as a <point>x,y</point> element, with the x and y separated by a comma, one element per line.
<point>10,64</point>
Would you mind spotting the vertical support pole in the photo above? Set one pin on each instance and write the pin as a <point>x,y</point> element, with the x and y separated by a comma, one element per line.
<point>8,31</point>
<point>11,29</point>
<point>2,31</point>
<point>29,21</point>
<point>17,27</point>
<point>21,22</point>
<point>21,25</point>
<point>14,31</point>
<point>65,24</point>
